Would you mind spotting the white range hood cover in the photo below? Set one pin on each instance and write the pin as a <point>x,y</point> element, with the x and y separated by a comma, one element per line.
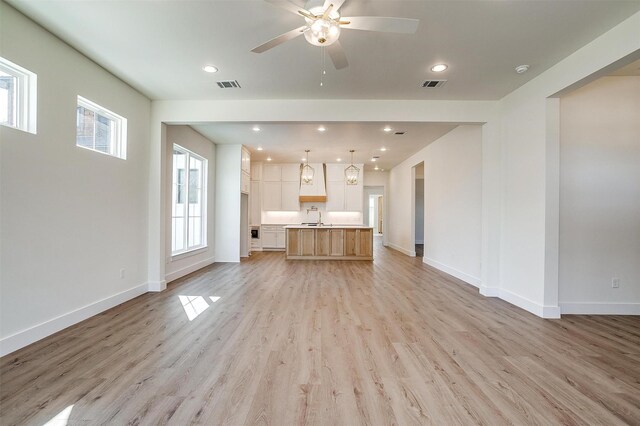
<point>317,191</point>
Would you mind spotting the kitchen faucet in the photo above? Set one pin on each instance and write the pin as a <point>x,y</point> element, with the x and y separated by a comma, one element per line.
<point>315,209</point>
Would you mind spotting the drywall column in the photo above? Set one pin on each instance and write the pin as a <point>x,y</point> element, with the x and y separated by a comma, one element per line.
<point>227,203</point>
<point>157,202</point>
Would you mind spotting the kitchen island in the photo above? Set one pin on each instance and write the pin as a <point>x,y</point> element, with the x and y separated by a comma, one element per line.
<point>329,242</point>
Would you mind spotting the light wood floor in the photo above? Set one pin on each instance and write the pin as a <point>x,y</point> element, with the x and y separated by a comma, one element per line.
<point>331,343</point>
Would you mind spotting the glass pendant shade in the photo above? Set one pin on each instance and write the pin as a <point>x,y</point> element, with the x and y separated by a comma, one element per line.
<point>307,174</point>
<point>306,177</point>
<point>352,173</point>
<point>322,32</point>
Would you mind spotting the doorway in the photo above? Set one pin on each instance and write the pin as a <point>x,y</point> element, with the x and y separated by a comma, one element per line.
<point>374,209</point>
<point>418,208</point>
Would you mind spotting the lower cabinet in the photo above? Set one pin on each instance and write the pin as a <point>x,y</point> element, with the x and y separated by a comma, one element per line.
<point>273,237</point>
<point>329,243</point>
<point>358,242</point>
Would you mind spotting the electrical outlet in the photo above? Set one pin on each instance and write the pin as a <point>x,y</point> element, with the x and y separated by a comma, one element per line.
<point>615,282</point>
<point>121,273</point>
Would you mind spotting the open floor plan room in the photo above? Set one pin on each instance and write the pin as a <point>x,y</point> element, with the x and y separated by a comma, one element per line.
<point>322,212</point>
<point>270,341</point>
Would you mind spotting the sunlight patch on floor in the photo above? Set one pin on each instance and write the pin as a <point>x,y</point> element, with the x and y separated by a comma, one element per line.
<point>195,305</point>
<point>61,419</point>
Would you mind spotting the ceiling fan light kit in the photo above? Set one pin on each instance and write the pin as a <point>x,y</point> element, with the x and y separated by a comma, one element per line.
<point>323,25</point>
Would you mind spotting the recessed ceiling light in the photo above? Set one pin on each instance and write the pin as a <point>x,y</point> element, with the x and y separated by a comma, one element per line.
<point>338,159</point>
<point>376,168</point>
<point>383,149</point>
<point>321,129</point>
<point>439,67</point>
<point>259,148</point>
<point>373,160</point>
<point>521,69</point>
<point>210,68</point>
<point>256,128</point>
<point>387,129</point>
<point>303,159</point>
<point>382,170</point>
<point>268,158</point>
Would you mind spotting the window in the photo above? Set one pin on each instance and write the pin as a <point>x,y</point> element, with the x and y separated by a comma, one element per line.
<point>188,216</point>
<point>18,96</point>
<point>100,130</point>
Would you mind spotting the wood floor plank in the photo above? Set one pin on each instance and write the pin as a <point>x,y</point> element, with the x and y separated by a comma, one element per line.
<point>279,342</point>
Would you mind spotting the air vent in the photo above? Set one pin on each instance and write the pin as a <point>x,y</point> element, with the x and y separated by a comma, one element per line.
<point>432,84</point>
<point>230,84</point>
<point>399,133</point>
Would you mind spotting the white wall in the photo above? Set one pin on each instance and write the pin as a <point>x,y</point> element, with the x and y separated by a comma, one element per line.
<point>188,138</point>
<point>71,218</point>
<point>600,197</point>
<point>452,199</point>
<point>227,202</point>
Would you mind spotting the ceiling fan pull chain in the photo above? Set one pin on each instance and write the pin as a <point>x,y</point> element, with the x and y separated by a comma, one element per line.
<point>323,69</point>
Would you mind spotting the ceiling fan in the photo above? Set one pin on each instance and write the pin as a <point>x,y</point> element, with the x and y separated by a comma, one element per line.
<point>323,24</point>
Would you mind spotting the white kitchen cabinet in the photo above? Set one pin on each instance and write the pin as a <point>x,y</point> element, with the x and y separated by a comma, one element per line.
<point>271,173</point>
<point>255,210</point>
<point>335,172</point>
<point>335,196</point>
<point>244,183</point>
<point>269,239</point>
<point>290,172</point>
<point>271,196</point>
<point>256,171</point>
<point>273,237</point>
<point>290,196</point>
<point>353,197</point>
<point>246,160</point>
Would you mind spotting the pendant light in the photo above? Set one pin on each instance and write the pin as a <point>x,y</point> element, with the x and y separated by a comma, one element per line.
<point>352,172</point>
<point>306,176</point>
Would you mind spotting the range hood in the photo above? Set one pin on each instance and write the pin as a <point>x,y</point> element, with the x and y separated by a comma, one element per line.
<point>317,191</point>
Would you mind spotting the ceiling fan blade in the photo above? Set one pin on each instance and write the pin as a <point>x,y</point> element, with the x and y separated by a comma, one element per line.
<point>279,40</point>
<point>286,5</point>
<point>327,11</point>
<point>337,55</point>
<point>381,23</point>
<point>336,4</point>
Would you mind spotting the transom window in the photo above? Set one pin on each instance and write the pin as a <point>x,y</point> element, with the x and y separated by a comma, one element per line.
<point>188,217</point>
<point>100,130</point>
<point>18,96</point>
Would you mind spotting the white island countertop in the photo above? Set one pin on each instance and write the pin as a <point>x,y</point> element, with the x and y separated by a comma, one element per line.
<point>326,225</point>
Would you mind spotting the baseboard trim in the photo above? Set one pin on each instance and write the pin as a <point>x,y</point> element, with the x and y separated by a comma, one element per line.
<point>157,286</point>
<point>402,250</point>
<point>522,302</point>
<point>580,308</point>
<point>189,269</point>
<point>469,279</point>
<point>31,335</point>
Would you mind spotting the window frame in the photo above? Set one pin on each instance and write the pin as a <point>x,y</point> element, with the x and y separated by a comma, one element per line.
<point>26,96</point>
<point>186,196</point>
<point>118,143</point>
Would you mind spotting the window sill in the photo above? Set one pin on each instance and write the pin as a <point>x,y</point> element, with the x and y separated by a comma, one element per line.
<point>192,252</point>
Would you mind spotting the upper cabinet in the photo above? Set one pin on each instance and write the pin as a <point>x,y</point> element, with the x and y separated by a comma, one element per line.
<point>246,171</point>
<point>256,171</point>
<point>271,173</point>
<point>246,161</point>
<point>340,196</point>
<point>335,172</point>
<point>290,172</point>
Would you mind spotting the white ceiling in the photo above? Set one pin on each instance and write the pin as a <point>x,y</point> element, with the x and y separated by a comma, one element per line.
<point>286,142</point>
<point>159,47</point>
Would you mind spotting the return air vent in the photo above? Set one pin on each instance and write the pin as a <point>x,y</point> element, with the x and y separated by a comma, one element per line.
<point>432,84</point>
<point>229,84</point>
